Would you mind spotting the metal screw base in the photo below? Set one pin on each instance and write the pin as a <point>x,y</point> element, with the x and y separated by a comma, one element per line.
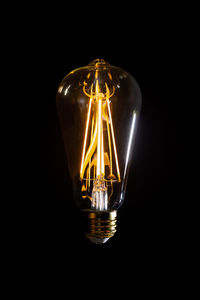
<point>100,226</point>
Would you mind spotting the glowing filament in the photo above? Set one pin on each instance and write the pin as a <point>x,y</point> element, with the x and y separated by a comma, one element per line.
<point>99,143</point>
<point>102,152</point>
<point>113,138</point>
<point>109,143</point>
<point>86,133</point>
<point>99,140</point>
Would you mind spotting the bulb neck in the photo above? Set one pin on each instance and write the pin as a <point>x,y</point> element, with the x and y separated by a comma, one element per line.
<point>99,226</point>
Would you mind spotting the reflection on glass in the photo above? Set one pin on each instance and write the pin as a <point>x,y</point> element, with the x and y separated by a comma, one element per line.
<point>98,107</point>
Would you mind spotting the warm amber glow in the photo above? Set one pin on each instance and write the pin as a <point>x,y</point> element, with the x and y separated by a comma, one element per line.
<point>102,152</point>
<point>99,140</point>
<point>109,143</point>
<point>113,139</point>
<point>86,133</point>
<point>90,152</point>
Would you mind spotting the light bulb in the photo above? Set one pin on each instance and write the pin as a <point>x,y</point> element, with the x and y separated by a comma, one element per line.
<point>98,107</point>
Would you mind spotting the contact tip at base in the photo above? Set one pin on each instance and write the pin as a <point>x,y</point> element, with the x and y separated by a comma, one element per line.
<point>95,240</point>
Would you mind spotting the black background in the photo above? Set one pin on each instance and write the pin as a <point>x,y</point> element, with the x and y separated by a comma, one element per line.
<point>148,239</point>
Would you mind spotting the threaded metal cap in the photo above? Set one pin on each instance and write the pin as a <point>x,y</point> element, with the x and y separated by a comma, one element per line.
<point>100,226</point>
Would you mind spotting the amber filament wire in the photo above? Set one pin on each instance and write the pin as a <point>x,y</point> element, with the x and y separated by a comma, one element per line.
<point>99,142</point>
<point>113,139</point>
<point>86,134</point>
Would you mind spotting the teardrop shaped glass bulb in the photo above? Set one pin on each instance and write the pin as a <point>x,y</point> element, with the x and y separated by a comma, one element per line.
<point>99,107</point>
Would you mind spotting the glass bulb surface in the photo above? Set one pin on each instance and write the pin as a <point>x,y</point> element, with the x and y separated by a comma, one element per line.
<point>98,107</point>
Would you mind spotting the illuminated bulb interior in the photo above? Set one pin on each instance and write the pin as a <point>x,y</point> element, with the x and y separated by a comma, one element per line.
<point>99,163</point>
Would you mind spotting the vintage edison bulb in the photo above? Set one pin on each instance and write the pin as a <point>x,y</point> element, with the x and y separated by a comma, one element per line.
<point>98,107</point>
